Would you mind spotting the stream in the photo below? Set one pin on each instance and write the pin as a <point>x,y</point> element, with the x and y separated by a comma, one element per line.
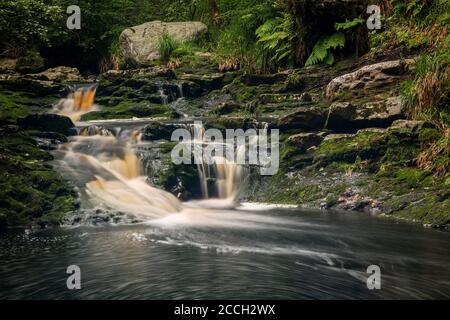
<point>252,252</point>
<point>213,248</point>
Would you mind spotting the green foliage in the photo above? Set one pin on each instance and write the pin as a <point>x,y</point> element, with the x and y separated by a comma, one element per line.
<point>322,49</point>
<point>30,62</point>
<point>428,94</point>
<point>167,46</point>
<point>414,9</point>
<point>25,24</point>
<point>276,37</point>
<point>348,24</point>
<point>236,39</point>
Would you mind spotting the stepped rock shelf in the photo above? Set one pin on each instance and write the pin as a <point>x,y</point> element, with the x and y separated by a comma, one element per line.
<point>346,142</point>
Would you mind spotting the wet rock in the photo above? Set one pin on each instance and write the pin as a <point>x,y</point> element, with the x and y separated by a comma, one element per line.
<point>159,131</point>
<point>368,77</point>
<point>191,89</point>
<point>48,135</point>
<point>304,141</point>
<point>118,76</point>
<point>8,65</point>
<point>207,82</point>
<point>307,118</point>
<point>48,122</point>
<point>347,116</point>
<point>255,79</point>
<point>140,43</point>
<point>410,125</point>
<point>59,74</point>
<point>347,147</point>
<point>27,83</point>
<point>30,62</point>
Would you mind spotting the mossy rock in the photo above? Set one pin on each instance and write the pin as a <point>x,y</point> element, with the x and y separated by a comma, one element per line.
<point>31,62</point>
<point>13,105</point>
<point>30,192</point>
<point>48,122</point>
<point>129,109</point>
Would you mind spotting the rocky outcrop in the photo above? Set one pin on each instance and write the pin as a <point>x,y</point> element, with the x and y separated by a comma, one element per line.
<point>348,117</point>
<point>306,118</point>
<point>304,141</point>
<point>59,74</point>
<point>48,122</point>
<point>368,77</point>
<point>140,43</point>
<point>141,73</point>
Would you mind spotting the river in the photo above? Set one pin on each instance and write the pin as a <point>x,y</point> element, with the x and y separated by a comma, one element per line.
<point>213,249</point>
<point>251,252</point>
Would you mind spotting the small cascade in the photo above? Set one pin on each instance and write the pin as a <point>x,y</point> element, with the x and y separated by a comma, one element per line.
<point>180,90</point>
<point>112,174</point>
<point>226,174</point>
<point>163,95</point>
<point>78,102</point>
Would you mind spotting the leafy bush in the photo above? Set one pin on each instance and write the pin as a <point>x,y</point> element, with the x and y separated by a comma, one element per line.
<point>25,24</point>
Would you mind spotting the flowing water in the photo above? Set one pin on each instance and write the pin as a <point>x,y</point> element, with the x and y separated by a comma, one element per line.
<point>245,253</point>
<point>212,248</point>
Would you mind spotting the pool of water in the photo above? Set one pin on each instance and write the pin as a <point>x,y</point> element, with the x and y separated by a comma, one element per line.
<point>247,253</point>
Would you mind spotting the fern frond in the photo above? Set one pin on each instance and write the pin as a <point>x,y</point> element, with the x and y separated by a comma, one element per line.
<point>348,24</point>
<point>322,49</point>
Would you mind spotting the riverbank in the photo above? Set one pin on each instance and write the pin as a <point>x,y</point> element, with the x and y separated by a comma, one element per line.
<point>355,151</point>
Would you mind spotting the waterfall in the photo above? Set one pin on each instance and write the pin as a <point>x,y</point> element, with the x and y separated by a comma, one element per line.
<point>113,174</point>
<point>79,102</point>
<point>180,90</point>
<point>226,174</point>
<point>163,95</point>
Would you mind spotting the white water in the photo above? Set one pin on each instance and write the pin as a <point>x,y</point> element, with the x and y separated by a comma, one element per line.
<point>79,102</point>
<point>113,173</point>
<point>227,174</point>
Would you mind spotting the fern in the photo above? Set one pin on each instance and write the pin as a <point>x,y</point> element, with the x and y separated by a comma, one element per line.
<point>348,24</point>
<point>322,49</point>
<point>276,37</point>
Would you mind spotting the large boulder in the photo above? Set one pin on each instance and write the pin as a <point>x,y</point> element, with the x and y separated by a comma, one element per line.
<point>368,77</point>
<point>347,116</point>
<point>140,43</point>
<point>59,74</point>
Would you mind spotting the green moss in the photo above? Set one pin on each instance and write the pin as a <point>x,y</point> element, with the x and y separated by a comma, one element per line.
<point>30,192</point>
<point>346,148</point>
<point>412,177</point>
<point>12,105</point>
<point>429,135</point>
<point>129,109</point>
<point>241,92</point>
<point>433,209</point>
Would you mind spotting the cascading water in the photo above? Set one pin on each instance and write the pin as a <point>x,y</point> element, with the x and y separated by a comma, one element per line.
<point>227,174</point>
<point>79,102</point>
<point>105,166</point>
<point>113,176</point>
